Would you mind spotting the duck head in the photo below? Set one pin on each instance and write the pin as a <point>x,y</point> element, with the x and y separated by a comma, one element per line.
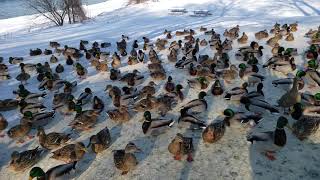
<point>36,172</point>
<point>228,112</point>
<point>300,74</point>
<point>147,116</point>
<point>132,148</point>
<point>28,114</point>
<point>179,87</point>
<point>88,90</point>
<point>202,94</point>
<point>282,122</point>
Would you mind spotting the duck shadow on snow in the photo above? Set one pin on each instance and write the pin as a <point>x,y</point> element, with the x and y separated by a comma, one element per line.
<point>292,162</point>
<point>148,143</point>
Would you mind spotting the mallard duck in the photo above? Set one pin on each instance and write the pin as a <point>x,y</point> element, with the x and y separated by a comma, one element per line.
<point>189,118</point>
<point>20,131</point>
<point>141,56</point>
<point>37,119</point>
<point>129,90</point>
<point>173,55</point>
<point>15,60</point>
<point>312,77</point>
<point>198,83</point>
<point>261,34</point>
<point>153,56</point>
<point>69,87</point>
<point>59,69</point>
<point>197,105</point>
<point>120,115</point>
<point>216,88</point>
<point>102,66</point>
<point>53,59</point>
<point>293,27</point>
<point>28,97</point>
<point>54,44</point>
<point>116,61</point>
<point>250,76</point>
<point>35,52</point>
<point>66,106</point>
<point>243,39</point>
<point>286,83</point>
<point>61,171</point>
<point>155,126</point>
<point>26,159</point>
<point>270,141</point>
<point>32,107</point>
<point>85,97</point>
<point>177,92</point>
<point>97,104</point>
<point>229,74</point>
<point>51,84</point>
<point>253,46</point>
<point>164,104</point>
<point>3,124</point>
<point>214,131</point>
<point>232,117</point>
<point>146,104</point>
<point>81,71</point>
<point>100,141</point>
<point>169,86</point>
<point>132,60</point>
<point>258,93</point>
<point>132,78</point>
<point>285,69</point>
<point>291,97</point>
<point>149,89</point>
<point>69,61</point>
<point>8,104</point>
<point>272,41</point>
<point>114,93</point>
<point>309,99</point>
<point>125,159</point>
<point>47,52</point>
<point>70,153</point>
<point>23,76</point>
<point>257,105</point>
<point>52,140</point>
<point>22,92</point>
<point>158,75</point>
<point>203,42</point>
<point>236,93</point>
<point>308,120</point>
<point>290,37</point>
<point>28,68</point>
<point>180,146</point>
<point>275,49</point>
<point>84,120</point>
<point>114,74</point>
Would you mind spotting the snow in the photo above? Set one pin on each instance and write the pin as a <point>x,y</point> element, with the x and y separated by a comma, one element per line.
<point>230,158</point>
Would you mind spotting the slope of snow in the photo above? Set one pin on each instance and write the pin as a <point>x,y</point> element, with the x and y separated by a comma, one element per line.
<point>231,157</point>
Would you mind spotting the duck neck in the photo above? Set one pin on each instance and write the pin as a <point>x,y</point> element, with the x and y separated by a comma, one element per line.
<point>280,138</point>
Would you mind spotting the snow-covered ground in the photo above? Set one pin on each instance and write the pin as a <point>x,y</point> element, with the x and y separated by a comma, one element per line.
<point>231,157</point>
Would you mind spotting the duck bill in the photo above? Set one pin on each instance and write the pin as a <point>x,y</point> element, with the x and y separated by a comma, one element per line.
<point>30,178</point>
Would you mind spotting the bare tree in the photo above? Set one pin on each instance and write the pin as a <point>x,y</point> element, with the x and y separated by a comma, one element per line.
<point>57,10</point>
<point>54,10</point>
<point>75,11</point>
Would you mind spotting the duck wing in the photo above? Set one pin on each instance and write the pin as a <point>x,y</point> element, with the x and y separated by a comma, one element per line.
<point>260,136</point>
